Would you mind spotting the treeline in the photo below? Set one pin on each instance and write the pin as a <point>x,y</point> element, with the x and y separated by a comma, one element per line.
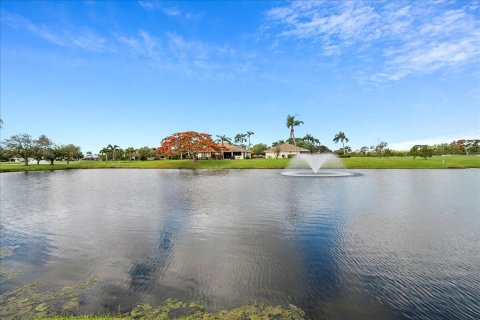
<point>115,152</point>
<point>43,148</point>
<point>458,147</point>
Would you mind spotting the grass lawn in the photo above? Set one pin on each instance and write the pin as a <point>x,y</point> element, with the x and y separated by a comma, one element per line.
<point>436,162</point>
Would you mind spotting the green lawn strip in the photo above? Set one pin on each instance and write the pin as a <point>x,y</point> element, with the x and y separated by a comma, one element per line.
<point>436,162</point>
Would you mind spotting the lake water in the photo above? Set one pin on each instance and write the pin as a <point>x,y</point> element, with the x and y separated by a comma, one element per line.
<point>388,244</point>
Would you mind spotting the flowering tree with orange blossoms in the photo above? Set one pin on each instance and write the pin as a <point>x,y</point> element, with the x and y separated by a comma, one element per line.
<point>189,142</point>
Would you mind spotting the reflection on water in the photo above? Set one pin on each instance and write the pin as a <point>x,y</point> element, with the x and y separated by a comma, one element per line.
<point>387,244</point>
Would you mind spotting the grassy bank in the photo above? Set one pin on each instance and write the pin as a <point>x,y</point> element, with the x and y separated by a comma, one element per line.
<point>350,163</point>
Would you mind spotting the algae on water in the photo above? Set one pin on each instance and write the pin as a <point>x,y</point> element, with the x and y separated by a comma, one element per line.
<point>30,301</point>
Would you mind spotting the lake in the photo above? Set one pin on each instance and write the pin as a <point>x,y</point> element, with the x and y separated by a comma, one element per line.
<point>387,244</point>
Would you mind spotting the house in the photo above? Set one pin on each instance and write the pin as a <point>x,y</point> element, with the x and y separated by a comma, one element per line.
<point>284,150</point>
<point>93,157</point>
<point>230,152</point>
<point>235,152</point>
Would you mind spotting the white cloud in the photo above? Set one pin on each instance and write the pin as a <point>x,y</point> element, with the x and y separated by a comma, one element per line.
<point>83,38</point>
<point>404,37</point>
<point>195,59</point>
<point>168,10</point>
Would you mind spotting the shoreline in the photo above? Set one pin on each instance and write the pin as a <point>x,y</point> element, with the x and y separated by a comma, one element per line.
<point>437,162</point>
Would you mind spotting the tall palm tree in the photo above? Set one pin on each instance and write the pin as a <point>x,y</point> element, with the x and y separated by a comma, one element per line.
<point>130,150</point>
<point>223,138</point>
<point>249,133</point>
<point>105,152</point>
<point>113,149</point>
<point>240,138</point>
<point>341,137</point>
<point>292,123</point>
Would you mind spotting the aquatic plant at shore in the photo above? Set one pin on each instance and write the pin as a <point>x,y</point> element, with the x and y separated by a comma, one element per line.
<point>173,309</point>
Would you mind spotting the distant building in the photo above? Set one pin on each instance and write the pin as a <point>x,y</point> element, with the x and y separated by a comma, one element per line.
<point>93,157</point>
<point>285,150</point>
<point>230,152</point>
<point>235,152</point>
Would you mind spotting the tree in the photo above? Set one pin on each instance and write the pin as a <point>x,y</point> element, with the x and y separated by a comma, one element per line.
<point>277,151</point>
<point>145,152</point>
<point>21,145</point>
<point>40,147</point>
<point>380,147</point>
<point>223,138</point>
<point>129,151</point>
<point>468,145</point>
<point>70,152</point>
<point>189,142</point>
<point>425,152</point>
<point>277,143</point>
<point>5,153</point>
<point>259,148</point>
<point>291,124</point>
<point>52,153</point>
<point>341,137</point>
<point>104,151</point>
<point>312,143</point>
<point>364,150</point>
<point>240,139</point>
<point>113,149</point>
<point>249,133</point>
<point>414,151</point>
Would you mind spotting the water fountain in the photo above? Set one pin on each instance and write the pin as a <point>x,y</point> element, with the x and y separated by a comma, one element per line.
<point>316,162</point>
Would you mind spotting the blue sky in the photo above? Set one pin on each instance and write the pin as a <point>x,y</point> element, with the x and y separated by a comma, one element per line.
<point>132,72</point>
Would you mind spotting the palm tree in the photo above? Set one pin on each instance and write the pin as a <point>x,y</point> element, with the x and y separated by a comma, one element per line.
<point>240,138</point>
<point>341,137</point>
<point>105,152</point>
<point>312,142</point>
<point>249,133</point>
<point>129,150</point>
<point>223,138</point>
<point>113,149</point>
<point>292,123</point>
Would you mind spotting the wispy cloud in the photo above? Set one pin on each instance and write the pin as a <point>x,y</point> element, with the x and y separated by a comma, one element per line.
<point>171,11</point>
<point>405,37</point>
<point>193,58</point>
<point>84,38</point>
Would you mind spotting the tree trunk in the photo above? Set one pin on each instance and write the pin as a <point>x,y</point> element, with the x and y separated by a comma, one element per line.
<point>343,144</point>
<point>38,161</point>
<point>51,162</point>
<point>292,135</point>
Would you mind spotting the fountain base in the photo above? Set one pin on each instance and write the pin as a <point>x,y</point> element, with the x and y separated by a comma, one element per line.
<point>320,174</point>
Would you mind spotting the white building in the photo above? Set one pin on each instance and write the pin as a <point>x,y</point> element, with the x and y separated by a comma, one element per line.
<point>285,150</point>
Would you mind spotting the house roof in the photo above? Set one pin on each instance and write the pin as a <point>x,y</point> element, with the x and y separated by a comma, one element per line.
<point>233,148</point>
<point>285,147</point>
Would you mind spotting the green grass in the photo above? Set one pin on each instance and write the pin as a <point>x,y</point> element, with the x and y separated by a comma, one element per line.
<point>351,163</point>
<point>436,162</point>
